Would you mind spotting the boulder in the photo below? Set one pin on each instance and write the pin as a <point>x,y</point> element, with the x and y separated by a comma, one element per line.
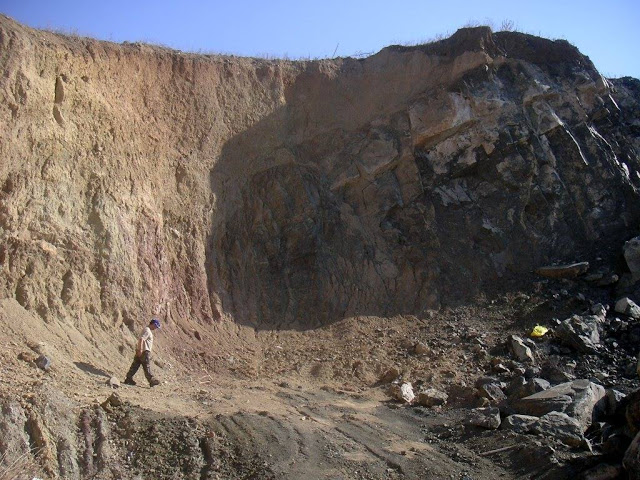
<point>28,357</point>
<point>577,399</point>
<point>407,344</point>
<point>631,461</point>
<point>603,472</point>
<point>628,307</point>
<point>563,271</point>
<point>538,385</point>
<point>519,349</point>
<point>561,426</point>
<point>485,380</point>
<point>431,397</point>
<point>516,388</point>
<point>486,417</point>
<point>114,400</point>
<point>43,362</point>
<point>631,251</point>
<point>599,311</point>
<point>519,423</point>
<point>580,333</point>
<point>556,370</point>
<point>632,411</point>
<point>587,395</point>
<point>521,387</point>
<point>613,401</point>
<point>500,368</point>
<point>603,279</point>
<point>14,436</point>
<point>492,392</point>
<point>402,393</point>
<point>608,280</point>
<point>615,444</point>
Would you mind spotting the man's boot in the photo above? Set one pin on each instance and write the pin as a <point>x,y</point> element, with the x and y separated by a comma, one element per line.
<point>129,381</point>
<point>153,382</point>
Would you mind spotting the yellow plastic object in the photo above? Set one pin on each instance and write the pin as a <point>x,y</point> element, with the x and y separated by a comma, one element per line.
<point>539,331</point>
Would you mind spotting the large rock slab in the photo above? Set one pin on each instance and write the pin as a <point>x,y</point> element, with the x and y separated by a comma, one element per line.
<point>563,271</point>
<point>556,399</point>
<point>628,307</point>
<point>577,399</point>
<point>580,333</point>
<point>561,426</point>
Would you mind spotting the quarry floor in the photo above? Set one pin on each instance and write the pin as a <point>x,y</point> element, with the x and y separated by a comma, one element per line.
<point>310,404</point>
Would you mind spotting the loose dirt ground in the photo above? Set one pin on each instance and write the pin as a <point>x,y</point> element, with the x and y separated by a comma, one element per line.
<point>306,404</point>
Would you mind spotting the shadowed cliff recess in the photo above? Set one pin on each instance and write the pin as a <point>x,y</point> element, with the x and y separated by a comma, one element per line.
<point>421,177</point>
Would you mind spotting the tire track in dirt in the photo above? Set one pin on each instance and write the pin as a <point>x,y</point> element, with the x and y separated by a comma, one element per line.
<point>324,435</point>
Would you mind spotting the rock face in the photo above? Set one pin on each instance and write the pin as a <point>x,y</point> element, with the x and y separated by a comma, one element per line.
<point>287,194</point>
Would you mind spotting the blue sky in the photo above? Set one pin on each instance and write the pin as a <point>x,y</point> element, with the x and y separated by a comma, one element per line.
<point>607,31</point>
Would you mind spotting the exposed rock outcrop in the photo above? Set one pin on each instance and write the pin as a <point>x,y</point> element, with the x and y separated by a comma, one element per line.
<point>137,179</point>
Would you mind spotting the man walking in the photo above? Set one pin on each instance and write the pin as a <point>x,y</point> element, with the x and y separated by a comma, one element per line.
<point>143,355</point>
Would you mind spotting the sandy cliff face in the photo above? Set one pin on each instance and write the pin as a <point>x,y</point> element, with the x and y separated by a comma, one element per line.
<point>140,180</point>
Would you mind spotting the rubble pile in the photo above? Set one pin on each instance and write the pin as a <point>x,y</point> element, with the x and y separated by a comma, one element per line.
<point>574,382</point>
